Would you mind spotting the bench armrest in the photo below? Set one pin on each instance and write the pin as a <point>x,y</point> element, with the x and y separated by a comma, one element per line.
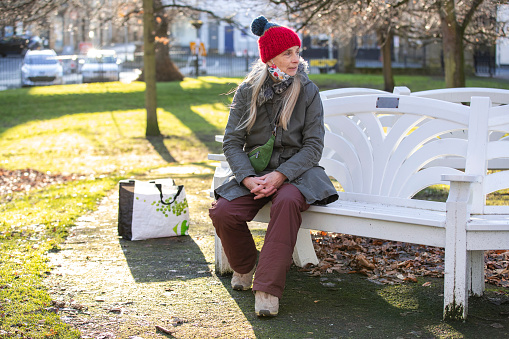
<point>461,190</point>
<point>217,157</point>
<point>462,178</point>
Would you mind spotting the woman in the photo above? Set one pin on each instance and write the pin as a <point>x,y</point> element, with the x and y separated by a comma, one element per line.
<point>276,97</point>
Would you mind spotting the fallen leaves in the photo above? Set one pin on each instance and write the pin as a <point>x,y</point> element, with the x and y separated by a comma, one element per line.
<point>389,262</point>
<point>24,180</point>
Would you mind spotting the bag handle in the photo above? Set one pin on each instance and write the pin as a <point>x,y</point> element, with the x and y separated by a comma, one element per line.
<point>160,188</point>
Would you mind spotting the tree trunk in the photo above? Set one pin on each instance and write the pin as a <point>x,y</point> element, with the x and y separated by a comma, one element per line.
<point>149,67</point>
<point>166,70</point>
<point>347,54</point>
<point>385,40</point>
<point>452,45</point>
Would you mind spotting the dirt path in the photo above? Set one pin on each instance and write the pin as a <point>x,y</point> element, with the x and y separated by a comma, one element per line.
<point>111,288</point>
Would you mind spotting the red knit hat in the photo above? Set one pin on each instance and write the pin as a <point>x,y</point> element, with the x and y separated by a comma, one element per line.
<point>274,39</point>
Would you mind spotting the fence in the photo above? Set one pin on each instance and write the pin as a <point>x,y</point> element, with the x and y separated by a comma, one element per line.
<point>132,64</point>
<point>212,64</point>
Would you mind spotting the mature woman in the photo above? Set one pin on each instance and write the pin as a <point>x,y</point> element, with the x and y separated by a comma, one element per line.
<point>276,99</point>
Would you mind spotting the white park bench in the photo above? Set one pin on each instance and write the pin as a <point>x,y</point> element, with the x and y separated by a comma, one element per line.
<point>380,169</point>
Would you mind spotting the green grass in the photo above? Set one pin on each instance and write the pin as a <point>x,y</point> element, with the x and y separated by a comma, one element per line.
<point>414,82</point>
<point>98,132</point>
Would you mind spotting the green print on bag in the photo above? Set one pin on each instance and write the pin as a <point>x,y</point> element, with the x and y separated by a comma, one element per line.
<point>260,156</point>
<point>176,208</point>
<point>183,228</point>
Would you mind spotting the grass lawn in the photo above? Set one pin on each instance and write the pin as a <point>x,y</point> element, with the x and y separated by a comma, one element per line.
<point>96,132</point>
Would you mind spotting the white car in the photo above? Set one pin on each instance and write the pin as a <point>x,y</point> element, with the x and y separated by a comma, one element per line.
<point>100,65</point>
<point>41,67</point>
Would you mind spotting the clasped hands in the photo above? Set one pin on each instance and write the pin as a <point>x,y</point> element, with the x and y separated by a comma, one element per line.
<point>265,185</point>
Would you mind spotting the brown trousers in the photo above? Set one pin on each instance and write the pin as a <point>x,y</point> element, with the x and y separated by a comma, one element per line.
<point>230,221</point>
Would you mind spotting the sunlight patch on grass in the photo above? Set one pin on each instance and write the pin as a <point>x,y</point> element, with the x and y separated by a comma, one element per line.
<point>75,139</point>
<point>54,207</point>
<point>400,296</point>
<point>169,122</point>
<point>107,87</point>
<point>215,114</point>
<point>444,330</point>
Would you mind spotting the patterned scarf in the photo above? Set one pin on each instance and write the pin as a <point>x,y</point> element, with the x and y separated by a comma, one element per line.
<point>270,87</point>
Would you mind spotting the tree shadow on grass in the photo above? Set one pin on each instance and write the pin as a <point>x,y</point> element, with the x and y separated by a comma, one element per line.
<point>158,144</point>
<point>19,107</point>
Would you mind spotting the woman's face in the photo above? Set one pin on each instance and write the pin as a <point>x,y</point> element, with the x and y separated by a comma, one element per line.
<point>288,61</point>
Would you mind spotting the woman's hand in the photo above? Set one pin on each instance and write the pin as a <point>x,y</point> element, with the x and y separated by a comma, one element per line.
<point>266,185</point>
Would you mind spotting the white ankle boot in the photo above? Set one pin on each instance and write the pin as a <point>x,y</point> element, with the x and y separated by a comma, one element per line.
<point>266,305</point>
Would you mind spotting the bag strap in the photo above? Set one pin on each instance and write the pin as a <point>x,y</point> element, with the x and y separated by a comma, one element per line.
<point>160,188</point>
<point>274,123</point>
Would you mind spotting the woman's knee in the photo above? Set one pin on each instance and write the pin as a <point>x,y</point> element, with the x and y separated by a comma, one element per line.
<point>290,196</point>
<point>224,213</point>
<point>219,210</point>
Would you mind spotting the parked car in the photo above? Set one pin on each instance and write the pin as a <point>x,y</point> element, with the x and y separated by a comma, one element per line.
<point>70,63</point>
<point>100,65</point>
<point>41,67</point>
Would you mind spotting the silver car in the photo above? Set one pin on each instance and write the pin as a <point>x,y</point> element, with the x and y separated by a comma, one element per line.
<point>100,65</point>
<point>41,67</point>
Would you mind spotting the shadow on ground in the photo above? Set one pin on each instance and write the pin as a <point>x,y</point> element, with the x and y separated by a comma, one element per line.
<point>350,306</point>
<point>164,259</point>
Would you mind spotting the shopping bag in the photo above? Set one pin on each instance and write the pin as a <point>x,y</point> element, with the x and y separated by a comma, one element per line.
<point>152,209</point>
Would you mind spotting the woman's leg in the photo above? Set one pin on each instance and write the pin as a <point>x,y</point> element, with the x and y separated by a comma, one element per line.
<point>230,221</point>
<point>276,255</point>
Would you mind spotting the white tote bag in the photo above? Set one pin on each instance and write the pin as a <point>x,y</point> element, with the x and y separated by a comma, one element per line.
<point>153,209</point>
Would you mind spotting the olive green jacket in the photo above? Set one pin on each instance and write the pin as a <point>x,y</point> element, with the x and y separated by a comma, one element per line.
<point>297,150</point>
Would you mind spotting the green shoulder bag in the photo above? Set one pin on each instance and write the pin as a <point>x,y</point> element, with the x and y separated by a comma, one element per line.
<point>260,156</point>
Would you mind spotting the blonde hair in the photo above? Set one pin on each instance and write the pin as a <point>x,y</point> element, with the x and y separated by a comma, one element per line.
<point>255,80</point>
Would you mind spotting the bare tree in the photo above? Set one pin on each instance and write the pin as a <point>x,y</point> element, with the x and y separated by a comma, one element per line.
<point>384,17</point>
<point>454,22</point>
<point>26,11</point>
<point>469,23</point>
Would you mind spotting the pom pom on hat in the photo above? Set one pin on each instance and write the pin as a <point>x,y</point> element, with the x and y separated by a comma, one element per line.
<point>258,25</point>
<point>274,39</point>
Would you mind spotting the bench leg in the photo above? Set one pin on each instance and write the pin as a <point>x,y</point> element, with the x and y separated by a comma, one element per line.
<point>476,273</point>
<point>221,173</point>
<point>304,252</point>
<point>455,280</point>
<point>222,264</point>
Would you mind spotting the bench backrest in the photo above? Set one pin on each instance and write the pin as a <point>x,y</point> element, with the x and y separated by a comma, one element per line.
<point>454,95</point>
<point>369,159</point>
<point>343,92</point>
<point>464,94</point>
<point>497,121</point>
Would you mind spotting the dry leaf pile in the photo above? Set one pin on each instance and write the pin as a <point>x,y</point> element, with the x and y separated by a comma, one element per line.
<point>25,180</point>
<point>390,262</point>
